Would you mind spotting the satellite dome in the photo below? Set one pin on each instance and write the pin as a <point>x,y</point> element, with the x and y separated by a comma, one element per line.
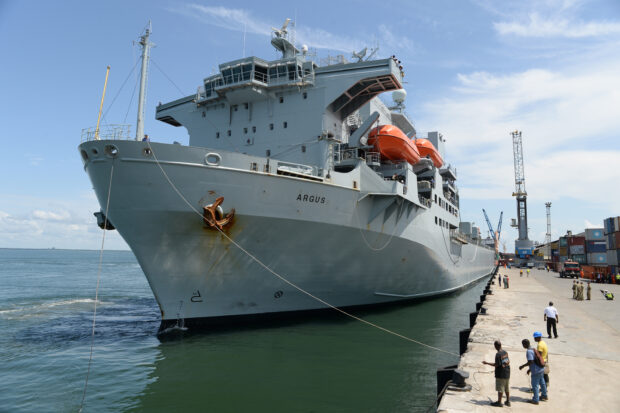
<point>399,95</point>
<point>304,49</point>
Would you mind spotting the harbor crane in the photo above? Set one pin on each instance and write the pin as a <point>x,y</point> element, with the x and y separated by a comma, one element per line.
<point>523,245</point>
<point>495,234</point>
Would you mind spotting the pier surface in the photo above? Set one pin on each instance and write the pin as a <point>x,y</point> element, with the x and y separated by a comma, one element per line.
<point>584,360</point>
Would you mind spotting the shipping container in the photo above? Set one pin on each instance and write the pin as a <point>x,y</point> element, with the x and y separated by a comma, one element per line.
<point>617,239</point>
<point>616,224</point>
<point>555,245</point>
<point>577,249</point>
<point>563,251</point>
<point>594,234</point>
<point>580,258</point>
<point>612,257</point>
<point>577,241</point>
<point>597,258</point>
<point>555,252</point>
<point>563,259</point>
<point>563,242</point>
<point>611,241</point>
<point>596,246</point>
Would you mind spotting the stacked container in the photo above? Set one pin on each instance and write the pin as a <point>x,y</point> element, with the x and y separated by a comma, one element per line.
<point>596,247</point>
<point>611,231</point>
<point>577,249</point>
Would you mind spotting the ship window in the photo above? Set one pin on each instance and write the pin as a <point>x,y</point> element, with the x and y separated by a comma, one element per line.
<point>273,72</point>
<point>291,72</point>
<point>228,132</point>
<point>271,126</point>
<point>440,221</point>
<point>268,152</point>
<point>282,71</point>
<point>435,220</point>
<point>236,74</point>
<point>285,124</point>
<point>227,75</point>
<point>281,99</point>
<point>217,135</point>
<point>253,166</point>
<point>204,114</point>
<point>305,95</point>
<point>247,71</point>
<point>266,168</point>
<point>260,74</point>
<point>303,148</point>
<point>246,105</point>
<point>236,107</point>
<point>254,129</point>
<point>245,130</point>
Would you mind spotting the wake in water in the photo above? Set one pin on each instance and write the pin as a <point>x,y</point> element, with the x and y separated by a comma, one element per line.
<point>52,308</point>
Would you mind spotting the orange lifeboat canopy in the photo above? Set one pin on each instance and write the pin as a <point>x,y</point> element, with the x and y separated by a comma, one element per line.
<point>426,148</point>
<point>393,144</point>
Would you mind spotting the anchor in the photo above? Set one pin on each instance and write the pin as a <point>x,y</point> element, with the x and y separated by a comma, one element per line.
<point>213,215</point>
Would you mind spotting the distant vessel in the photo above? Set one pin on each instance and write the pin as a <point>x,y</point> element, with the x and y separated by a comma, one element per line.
<point>280,162</point>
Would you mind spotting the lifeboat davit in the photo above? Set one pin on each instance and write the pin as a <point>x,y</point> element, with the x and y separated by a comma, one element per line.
<point>393,144</point>
<point>426,148</point>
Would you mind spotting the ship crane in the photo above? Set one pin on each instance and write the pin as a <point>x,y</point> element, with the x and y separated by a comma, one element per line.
<point>523,245</point>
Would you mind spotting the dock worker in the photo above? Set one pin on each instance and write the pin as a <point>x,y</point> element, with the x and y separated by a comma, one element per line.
<point>528,272</point>
<point>499,280</point>
<point>506,280</point>
<point>618,278</point>
<point>589,292</point>
<point>502,374</point>
<point>552,318</point>
<point>520,273</point>
<point>544,353</point>
<point>535,371</point>
<point>574,290</point>
<point>580,291</point>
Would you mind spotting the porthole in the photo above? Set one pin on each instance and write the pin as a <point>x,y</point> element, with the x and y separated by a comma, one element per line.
<point>147,152</point>
<point>111,151</point>
<point>95,151</point>
<point>84,155</point>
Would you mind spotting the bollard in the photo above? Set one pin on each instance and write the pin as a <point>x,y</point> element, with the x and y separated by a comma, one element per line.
<point>472,319</point>
<point>444,375</point>
<point>482,298</point>
<point>478,306</point>
<point>463,339</point>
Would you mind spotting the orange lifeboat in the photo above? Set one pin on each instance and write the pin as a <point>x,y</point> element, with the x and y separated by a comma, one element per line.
<point>426,148</point>
<point>393,144</point>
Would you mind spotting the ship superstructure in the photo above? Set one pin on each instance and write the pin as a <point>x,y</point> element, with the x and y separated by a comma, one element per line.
<point>299,165</point>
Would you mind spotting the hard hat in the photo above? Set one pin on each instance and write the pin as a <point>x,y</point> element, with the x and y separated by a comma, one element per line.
<point>537,334</point>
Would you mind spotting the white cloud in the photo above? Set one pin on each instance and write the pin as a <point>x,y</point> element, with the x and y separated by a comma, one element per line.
<point>554,26</point>
<point>51,216</point>
<point>241,20</point>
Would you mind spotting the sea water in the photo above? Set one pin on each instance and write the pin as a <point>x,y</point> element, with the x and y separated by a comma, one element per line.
<point>327,363</point>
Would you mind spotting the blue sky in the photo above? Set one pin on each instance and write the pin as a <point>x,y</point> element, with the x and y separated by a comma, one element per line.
<point>475,70</point>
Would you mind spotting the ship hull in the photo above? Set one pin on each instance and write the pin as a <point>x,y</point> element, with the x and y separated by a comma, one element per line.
<point>293,245</point>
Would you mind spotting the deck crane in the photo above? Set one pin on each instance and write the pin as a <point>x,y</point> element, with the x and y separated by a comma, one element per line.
<point>523,245</point>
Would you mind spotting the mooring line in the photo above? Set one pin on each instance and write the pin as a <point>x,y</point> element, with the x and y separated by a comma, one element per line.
<point>92,337</point>
<point>295,286</point>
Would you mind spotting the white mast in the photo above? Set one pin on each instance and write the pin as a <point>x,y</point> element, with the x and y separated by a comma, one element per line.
<point>146,45</point>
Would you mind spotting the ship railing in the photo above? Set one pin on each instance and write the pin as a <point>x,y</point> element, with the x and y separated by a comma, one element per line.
<point>107,132</point>
<point>424,201</point>
<point>344,154</point>
<point>373,159</point>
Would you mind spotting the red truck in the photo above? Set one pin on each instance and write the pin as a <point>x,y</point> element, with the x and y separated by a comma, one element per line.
<point>569,269</point>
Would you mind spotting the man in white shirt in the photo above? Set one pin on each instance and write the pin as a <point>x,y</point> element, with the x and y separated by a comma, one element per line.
<point>552,318</point>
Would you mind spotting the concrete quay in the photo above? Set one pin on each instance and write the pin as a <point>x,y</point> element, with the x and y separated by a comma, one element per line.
<point>584,360</point>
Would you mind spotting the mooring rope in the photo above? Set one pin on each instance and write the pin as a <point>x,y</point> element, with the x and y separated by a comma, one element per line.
<point>92,337</point>
<point>295,286</point>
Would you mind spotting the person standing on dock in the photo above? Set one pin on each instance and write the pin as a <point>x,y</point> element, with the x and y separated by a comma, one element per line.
<point>542,348</point>
<point>574,290</point>
<point>528,272</point>
<point>502,374</point>
<point>499,280</point>
<point>552,319</point>
<point>589,292</point>
<point>580,291</point>
<point>506,280</point>
<point>536,372</point>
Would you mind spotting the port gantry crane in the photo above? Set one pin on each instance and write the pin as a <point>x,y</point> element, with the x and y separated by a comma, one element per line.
<point>523,245</point>
<point>495,234</point>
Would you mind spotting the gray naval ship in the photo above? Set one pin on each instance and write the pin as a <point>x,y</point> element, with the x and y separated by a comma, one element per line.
<point>280,163</point>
